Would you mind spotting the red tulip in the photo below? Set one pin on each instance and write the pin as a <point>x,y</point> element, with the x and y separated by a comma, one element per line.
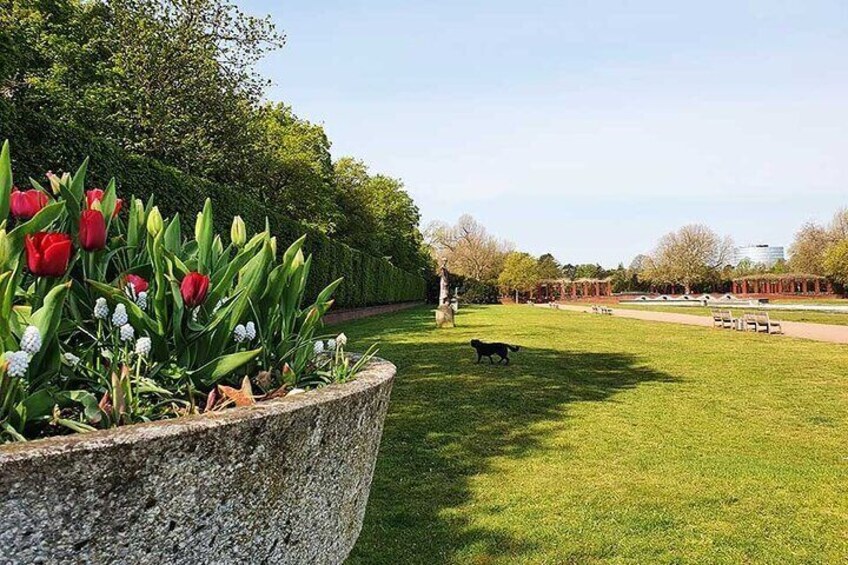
<point>138,283</point>
<point>194,289</point>
<point>48,253</point>
<point>27,204</point>
<point>92,230</point>
<point>96,195</point>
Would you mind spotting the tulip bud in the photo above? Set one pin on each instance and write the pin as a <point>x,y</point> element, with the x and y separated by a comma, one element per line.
<point>155,224</point>
<point>55,182</point>
<point>238,233</point>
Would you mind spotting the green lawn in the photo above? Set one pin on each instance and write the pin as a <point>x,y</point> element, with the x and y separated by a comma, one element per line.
<point>789,316</point>
<point>607,440</point>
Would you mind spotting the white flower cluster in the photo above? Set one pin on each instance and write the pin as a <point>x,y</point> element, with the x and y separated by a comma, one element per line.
<point>243,333</point>
<point>101,309</point>
<point>119,316</point>
<point>332,343</point>
<point>143,346</point>
<point>17,362</point>
<point>31,340</point>
<point>127,332</point>
<point>141,300</point>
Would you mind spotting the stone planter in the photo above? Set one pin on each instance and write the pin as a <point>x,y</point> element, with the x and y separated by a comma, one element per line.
<point>285,481</point>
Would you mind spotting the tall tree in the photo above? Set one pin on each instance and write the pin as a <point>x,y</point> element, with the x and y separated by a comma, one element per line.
<point>807,252</point>
<point>691,255</point>
<point>520,273</point>
<point>835,262</point>
<point>549,267</point>
<point>170,79</point>
<point>470,249</point>
<point>378,215</point>
<point>298,175</point>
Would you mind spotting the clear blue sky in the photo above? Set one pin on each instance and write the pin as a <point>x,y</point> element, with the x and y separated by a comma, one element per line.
<point>587,129</point>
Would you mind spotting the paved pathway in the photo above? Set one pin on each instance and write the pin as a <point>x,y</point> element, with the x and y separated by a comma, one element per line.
<point>804,330</point>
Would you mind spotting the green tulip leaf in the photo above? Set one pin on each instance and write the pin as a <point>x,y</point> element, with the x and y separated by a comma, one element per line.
<point>5,180</point>
<point>219,368</point>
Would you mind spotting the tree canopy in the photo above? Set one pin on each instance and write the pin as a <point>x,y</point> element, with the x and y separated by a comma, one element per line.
<point>520,272</point>
<point>176,80</point>
<point>691,255</point>
<point>469,248</point>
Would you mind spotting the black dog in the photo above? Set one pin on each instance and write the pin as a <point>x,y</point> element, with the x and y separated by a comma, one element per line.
<point>488,349</point>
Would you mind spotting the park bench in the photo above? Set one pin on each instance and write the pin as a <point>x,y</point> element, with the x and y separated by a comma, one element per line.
<point>726,318</point>
<point>749,322</point>
<point>765,324</point>
<point>717,321</point>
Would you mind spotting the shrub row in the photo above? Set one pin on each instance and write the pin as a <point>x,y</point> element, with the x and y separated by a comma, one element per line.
<point>39,145</point>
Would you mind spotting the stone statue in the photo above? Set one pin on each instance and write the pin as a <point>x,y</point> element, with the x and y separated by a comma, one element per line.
<point>444,284</point>
<point>444,311</point>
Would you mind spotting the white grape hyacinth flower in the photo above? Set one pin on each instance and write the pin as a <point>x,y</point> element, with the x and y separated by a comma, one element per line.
<point>101,309</point>
<point>331,345</point>
<point>127,332</point>
<point>119,316</point>
<point>71,359</point>
<point>239,333</point>
<point>18,363</point>
<point>250,331</point>
<point>341,340</point>
<point>141,300</point>
<point>31,340</point>
<point>143,346</point>
<point>318,347</point>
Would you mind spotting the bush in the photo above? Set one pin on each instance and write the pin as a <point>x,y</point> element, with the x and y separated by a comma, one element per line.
<point>41,145</point>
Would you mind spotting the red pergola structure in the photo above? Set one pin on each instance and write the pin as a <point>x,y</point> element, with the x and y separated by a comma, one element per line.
<point>790,283</point>
<point>565,289</point>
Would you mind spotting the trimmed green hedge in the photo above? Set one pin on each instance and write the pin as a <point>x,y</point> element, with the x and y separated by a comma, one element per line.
<point>39,146</point>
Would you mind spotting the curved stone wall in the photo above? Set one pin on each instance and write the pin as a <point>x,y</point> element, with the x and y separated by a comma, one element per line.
<point>285,481</point>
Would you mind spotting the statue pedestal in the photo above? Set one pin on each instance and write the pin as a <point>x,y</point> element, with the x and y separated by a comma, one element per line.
<point>444,316</point>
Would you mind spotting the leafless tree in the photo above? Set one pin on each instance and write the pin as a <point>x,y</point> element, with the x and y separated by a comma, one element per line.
<point>469,248</point>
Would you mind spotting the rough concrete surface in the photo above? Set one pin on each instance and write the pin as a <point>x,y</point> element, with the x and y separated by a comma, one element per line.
<point>285,481</point>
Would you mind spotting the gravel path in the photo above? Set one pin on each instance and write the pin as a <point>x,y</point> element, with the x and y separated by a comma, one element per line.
<point>803,330</point>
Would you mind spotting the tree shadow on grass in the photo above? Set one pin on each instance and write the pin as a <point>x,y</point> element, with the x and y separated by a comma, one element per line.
<point>448,418</point>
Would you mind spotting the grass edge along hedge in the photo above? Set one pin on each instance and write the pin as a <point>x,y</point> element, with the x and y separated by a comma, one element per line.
<point>39,145</point>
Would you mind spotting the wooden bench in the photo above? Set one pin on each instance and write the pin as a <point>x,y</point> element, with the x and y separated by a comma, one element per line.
<point>749,321</point>
<point>717,321</point>
<point>724,319</point>
<point>764,324</point>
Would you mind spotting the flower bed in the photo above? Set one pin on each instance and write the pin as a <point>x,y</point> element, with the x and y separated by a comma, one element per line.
<point>109,316</point>
<point>284,481</point>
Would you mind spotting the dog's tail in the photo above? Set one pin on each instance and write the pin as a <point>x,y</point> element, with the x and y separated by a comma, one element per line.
<point>513,347</point>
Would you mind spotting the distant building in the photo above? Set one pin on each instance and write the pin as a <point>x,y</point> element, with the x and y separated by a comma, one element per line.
<point>763,254</point>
